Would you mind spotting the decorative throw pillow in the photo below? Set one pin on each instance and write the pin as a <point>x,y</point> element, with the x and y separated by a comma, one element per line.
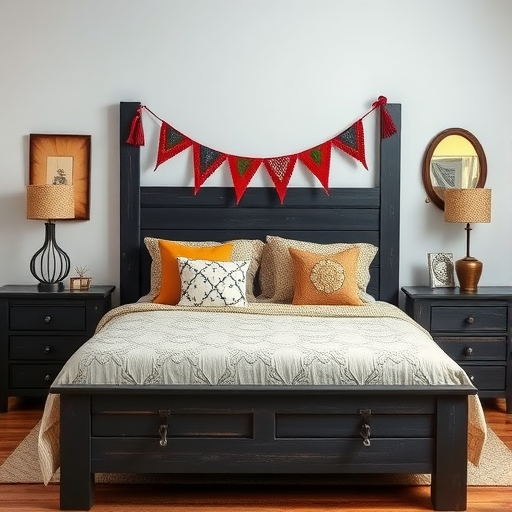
<point>325,279</point>
<point>276,272</point>
<point>170,288</point>
<point>212,283</point>
<point>243,249</point>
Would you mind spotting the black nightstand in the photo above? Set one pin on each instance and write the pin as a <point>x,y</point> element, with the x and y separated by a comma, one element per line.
<point>39,331</point>
<point>474,329</point>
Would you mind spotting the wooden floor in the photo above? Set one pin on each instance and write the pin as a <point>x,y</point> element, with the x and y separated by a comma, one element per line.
<point>24,414</point>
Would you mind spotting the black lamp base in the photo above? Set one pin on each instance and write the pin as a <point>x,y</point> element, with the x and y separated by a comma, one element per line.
<point>51,287</point>
<point>50,265</point>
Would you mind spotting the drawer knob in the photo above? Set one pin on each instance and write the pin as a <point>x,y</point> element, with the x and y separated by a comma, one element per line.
<point>47,378</point>
<point>47,319</point>
<point>471,378</point>
<point>468,351</point>
<point>47,349</point>
<point>470,320</point>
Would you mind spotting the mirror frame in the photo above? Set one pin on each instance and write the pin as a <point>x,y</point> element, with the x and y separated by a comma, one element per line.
<point>482,160</point>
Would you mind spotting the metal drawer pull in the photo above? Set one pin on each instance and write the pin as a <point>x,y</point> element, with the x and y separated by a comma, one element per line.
<point>365,434</point>
<point>365,427</point>
<point>47,349</point>
<point>47,378</point>
<point>164,426</point>
<point>47,319</point>
<point>468,351</point>
<point>470,320</point>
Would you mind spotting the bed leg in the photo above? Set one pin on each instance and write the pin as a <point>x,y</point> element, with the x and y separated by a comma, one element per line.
<point>449,479</point>
<point>76,479</point>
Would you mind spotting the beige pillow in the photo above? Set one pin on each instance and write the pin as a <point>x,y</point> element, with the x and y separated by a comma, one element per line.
<point>276,271</point>
<point>242,250</point>
<point>325,279</point>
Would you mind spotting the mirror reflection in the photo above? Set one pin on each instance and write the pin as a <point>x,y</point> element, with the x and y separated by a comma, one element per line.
<point>454,159</point>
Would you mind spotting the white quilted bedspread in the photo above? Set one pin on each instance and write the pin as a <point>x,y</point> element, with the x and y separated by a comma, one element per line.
<point>264,344</point>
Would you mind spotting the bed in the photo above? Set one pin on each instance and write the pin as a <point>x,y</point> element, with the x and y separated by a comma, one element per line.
<point>143,423</point>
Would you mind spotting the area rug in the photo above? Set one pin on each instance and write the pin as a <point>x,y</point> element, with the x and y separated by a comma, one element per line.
<point>495,469</point>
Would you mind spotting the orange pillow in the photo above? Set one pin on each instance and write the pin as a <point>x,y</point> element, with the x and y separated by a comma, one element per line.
<point>170,289</point>
<point>325,279</point>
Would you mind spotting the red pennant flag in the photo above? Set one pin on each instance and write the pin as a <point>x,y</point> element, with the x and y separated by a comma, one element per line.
<point>170,143</point>
<point>318,161</point>
<point>351,141</point>
<point>242,170</point>
<point>206,161</point>
<point>280,170</point>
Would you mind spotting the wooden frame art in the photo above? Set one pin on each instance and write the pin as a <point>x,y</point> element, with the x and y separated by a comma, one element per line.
<point>63,159</point>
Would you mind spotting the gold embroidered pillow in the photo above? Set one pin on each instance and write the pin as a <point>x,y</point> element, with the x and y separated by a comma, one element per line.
<point>276,271</point>
<point>325,279</point>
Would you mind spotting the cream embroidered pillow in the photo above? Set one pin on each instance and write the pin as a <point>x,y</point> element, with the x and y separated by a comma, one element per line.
<point>212,283</point>
<point>276,272</point>
<point>246,250</point>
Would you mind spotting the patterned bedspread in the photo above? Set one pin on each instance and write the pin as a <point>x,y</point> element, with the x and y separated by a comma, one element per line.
<point>264,344</point>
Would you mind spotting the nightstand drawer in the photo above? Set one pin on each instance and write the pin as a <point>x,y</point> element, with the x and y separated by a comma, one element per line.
<point>468,318</point>
<point>469,348</point>
<point>36,376</point>
<point>485,378</point>
<point>47,318</point>
<point>44,348</point>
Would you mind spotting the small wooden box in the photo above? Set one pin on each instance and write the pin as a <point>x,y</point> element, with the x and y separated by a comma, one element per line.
<point>80,283</point>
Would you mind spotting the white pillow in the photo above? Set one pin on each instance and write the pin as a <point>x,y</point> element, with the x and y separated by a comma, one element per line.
<point>212,283</point>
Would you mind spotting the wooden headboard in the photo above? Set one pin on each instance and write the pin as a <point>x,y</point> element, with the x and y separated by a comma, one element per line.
<point>345,215</point>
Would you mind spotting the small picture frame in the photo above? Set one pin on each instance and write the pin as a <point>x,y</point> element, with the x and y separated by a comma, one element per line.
<point>441,270</point>
<point>63,159</point>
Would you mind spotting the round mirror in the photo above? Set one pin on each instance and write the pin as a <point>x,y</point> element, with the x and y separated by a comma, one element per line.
<point>454,159</point>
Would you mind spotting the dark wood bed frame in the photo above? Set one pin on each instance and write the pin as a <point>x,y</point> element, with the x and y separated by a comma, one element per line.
<point>262,429</point>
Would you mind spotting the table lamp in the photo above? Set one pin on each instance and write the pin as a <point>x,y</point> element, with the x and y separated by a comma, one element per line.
<point>50,264</point>
<point>467,205</point>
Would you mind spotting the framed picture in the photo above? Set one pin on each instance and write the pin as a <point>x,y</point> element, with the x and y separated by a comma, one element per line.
<point>63,159</point>
<point>441,270</point>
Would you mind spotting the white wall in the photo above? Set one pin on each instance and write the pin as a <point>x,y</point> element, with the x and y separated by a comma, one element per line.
<point>255,77</point>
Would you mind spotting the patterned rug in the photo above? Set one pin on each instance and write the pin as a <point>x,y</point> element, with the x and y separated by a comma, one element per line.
<point>495,469</point>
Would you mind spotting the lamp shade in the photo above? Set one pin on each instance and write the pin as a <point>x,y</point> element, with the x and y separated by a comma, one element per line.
<point>45,202</point>
<point>467,205</point>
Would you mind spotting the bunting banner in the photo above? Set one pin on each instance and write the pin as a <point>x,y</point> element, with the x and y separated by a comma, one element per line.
<point>280,170</point>
<point>318,161</point>
<point>170,143</point>
<point>242,168</point>
<point>352,142</point>
<point>206,161</point>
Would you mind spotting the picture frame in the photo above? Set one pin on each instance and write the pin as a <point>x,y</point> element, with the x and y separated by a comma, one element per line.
<point>441,270</point>
<point>63,159</point>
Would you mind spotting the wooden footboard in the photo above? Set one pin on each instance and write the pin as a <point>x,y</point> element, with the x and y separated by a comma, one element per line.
<point>310,429</point>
